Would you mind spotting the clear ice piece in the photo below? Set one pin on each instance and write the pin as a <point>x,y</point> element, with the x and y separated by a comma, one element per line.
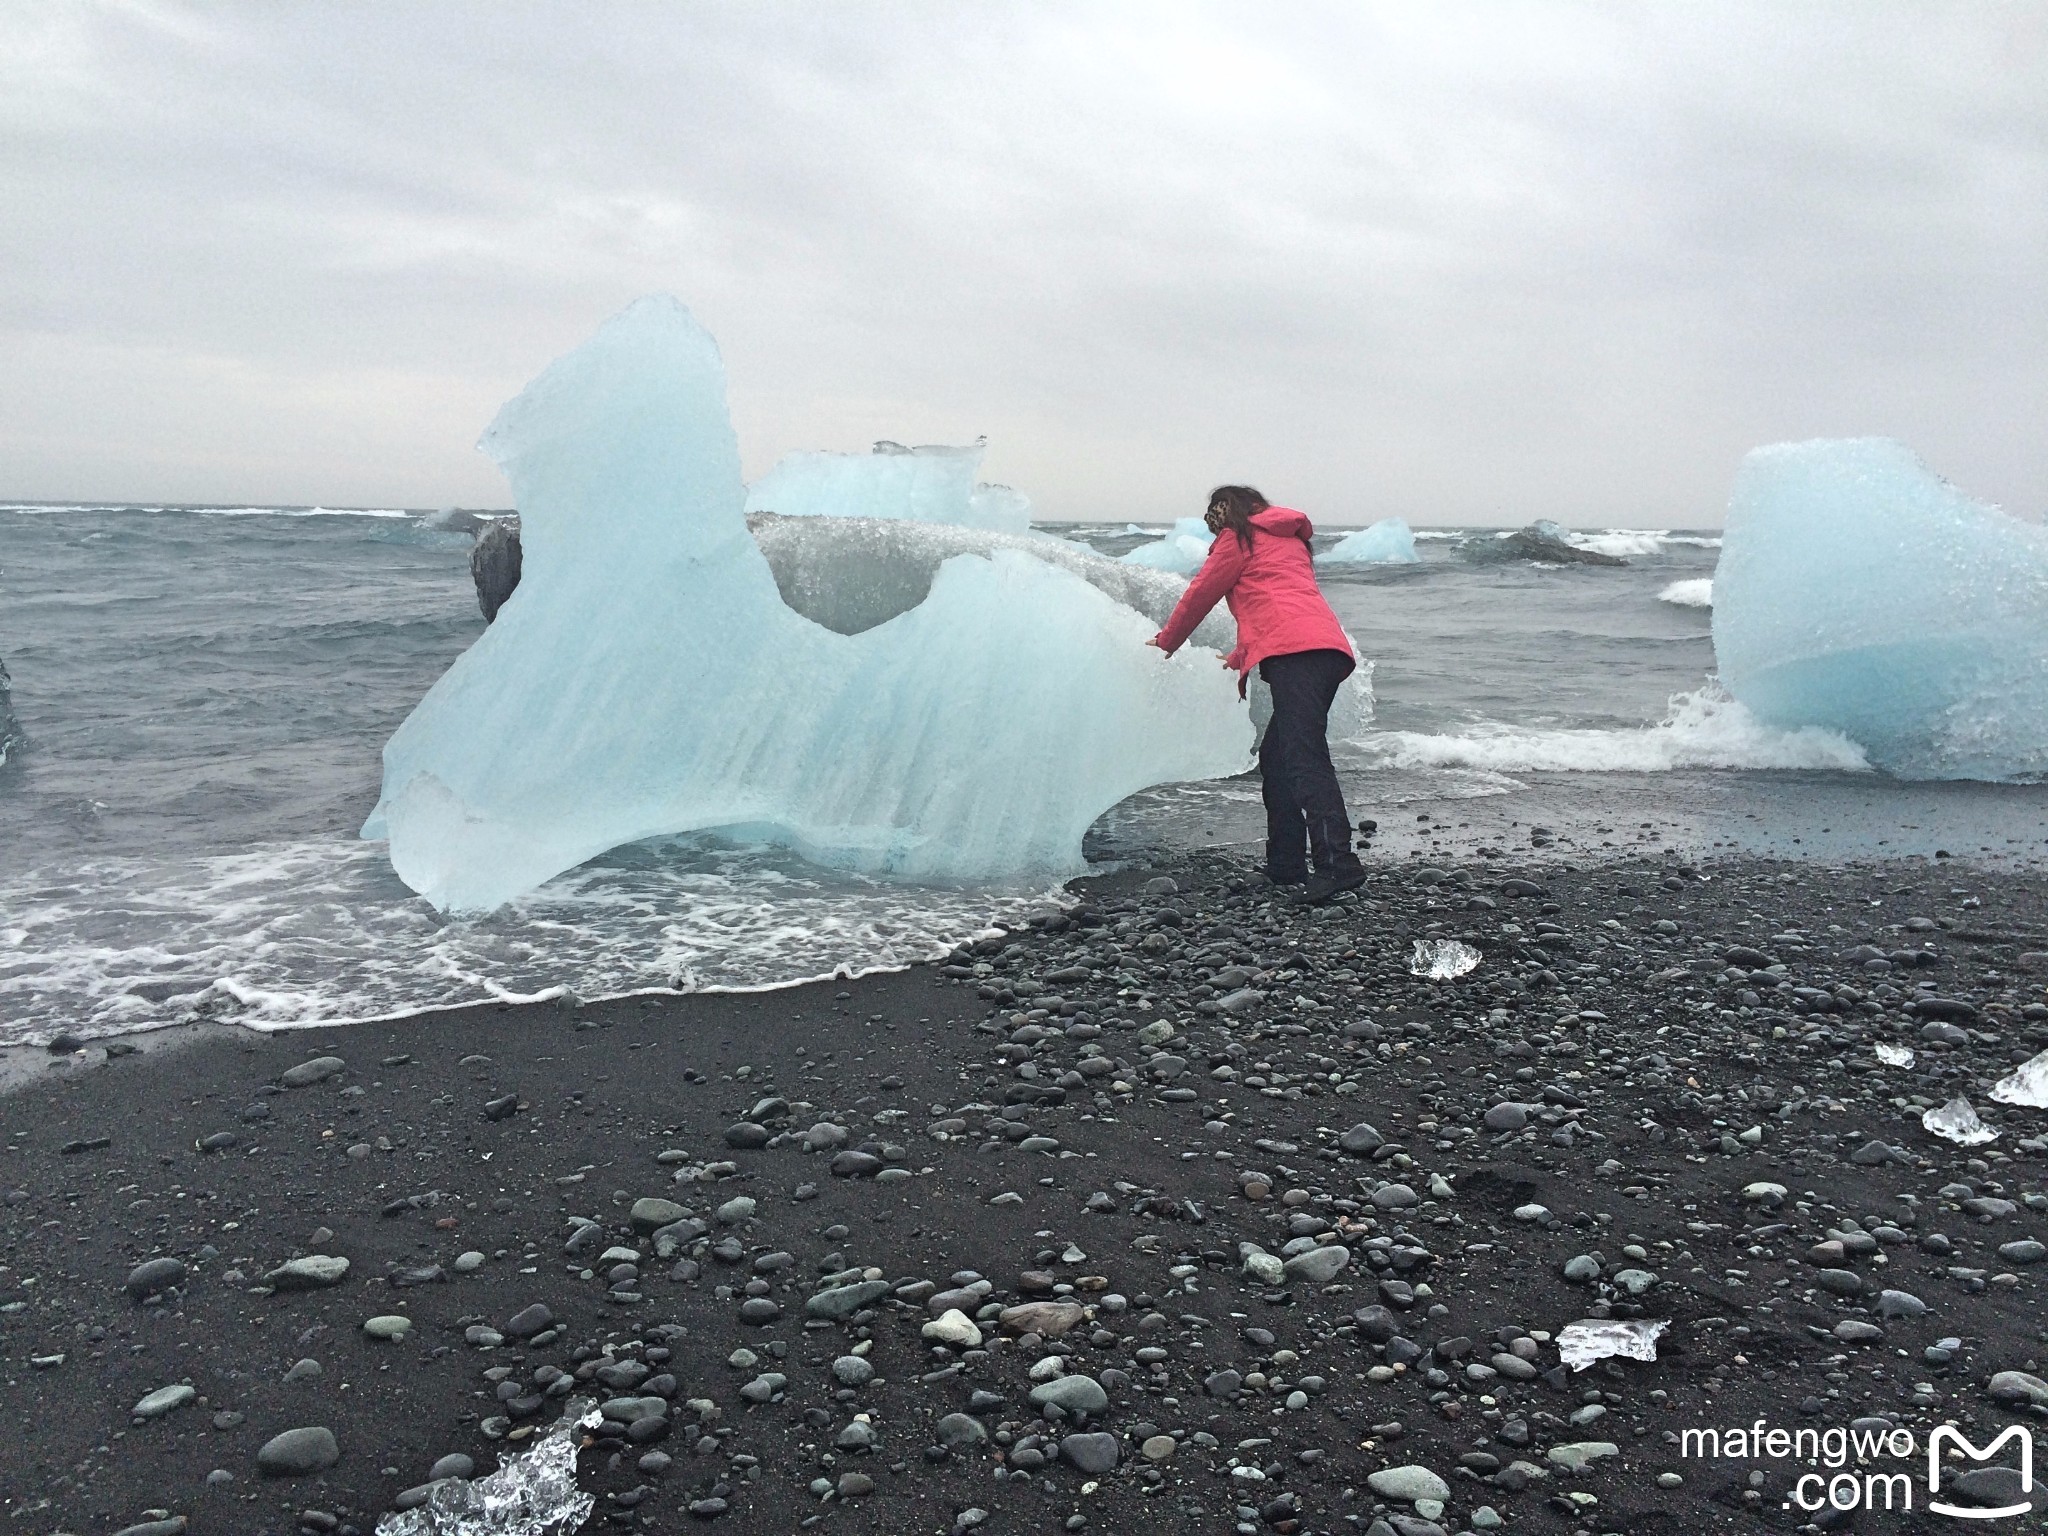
<point>1894,1055</point>
<point>1442,959</point>
<point>930,484</point>
<point>1956,1121</point>
<point>1580,1344</point>
<point>1182,551</point>
<point>1858,592</point>
<point>648,678</point>
<point>2027,1086</point>
<point>533,1492</point>
<point>1389,541</point>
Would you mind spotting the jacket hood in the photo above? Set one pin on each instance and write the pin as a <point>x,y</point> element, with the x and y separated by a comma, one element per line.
<point>1285,521</point>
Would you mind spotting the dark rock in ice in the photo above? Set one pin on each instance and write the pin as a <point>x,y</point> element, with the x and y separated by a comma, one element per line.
<point>494,565</point>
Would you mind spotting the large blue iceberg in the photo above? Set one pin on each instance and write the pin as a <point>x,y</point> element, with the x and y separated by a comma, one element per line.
<point>1389,541</point>
<point>1858,591</point>
<point>648,678</point>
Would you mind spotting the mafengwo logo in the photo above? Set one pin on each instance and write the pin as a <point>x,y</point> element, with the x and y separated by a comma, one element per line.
<point>1964,1481</point>
<point>1948,1434</point>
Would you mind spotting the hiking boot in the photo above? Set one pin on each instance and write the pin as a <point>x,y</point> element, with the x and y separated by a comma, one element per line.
<point>1328,884</point>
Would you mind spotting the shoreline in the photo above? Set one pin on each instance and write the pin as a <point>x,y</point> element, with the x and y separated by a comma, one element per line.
<point>1438,1177</point>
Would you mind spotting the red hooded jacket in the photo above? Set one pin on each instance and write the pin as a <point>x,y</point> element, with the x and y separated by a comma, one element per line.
<point>1271,589</point>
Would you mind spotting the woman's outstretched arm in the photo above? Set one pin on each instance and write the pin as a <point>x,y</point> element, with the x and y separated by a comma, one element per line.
<point>1219,573</point>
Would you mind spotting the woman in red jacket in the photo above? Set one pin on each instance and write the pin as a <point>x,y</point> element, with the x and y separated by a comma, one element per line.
<point>1263,566</point>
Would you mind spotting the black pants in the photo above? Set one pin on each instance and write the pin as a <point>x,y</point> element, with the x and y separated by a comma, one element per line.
<point>1304,807</point>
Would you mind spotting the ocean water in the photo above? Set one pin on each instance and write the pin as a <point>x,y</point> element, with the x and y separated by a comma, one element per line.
<point>201,695</point>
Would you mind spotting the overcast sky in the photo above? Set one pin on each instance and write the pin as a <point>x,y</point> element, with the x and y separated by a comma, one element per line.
<point>1451,262</point>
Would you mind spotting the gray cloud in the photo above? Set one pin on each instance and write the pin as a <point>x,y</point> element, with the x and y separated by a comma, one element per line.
<point>1460,262</point>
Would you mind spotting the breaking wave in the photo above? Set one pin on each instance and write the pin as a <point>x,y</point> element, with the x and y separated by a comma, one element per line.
<point>1705,729</point>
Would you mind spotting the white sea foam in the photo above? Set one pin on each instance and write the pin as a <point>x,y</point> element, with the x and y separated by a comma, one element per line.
<point>1635,542</point>
<point>1698,593</point>
<point>310,933</point>
<point>1705,729</point>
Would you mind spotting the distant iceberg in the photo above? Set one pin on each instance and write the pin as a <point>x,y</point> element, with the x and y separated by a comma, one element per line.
<point>1182,551</point>
<point>647,677</point>
<point>1389,541</point>
<point>930,484</point>
<point>1858,592</point>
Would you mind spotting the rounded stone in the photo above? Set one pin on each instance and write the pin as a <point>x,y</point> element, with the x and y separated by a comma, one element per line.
<point>298,1452</point>
<point>956,1430</point>
<point>1507,1117</point>
<point>390,1328</point>
<point>162,1401</point>
<point>652,1212</point>
<point>1094,1453</point>
<point>318,1070</point>
<point>454,1464</point>
<point>852,1371</point>
<point>1076,1394</point>
<point>1159,1448</point>
<point>1408,1484</point>
<point>1319,1266</point>
<point>154,1275</point>
<point>953,1328</point>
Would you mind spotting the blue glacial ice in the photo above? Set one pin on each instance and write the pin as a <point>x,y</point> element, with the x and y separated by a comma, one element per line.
<point>1182,551</point>
<point>1389,541</point>
<point>928,484</point>
<point>1859,592</point>
<point>853,573</point>
<point>648,678</point>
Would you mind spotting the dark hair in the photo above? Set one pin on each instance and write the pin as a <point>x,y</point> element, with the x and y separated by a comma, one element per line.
<point>1237,503</point>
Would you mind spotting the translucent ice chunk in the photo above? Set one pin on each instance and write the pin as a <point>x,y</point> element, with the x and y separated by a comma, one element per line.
<point>1956,1121</point>
<point>1858,592</point>
<point>1182,551</point>
<point>533,1493</point>
<point>647,676</point>
<point>1387,542</point>
<point>1894,1055</point>
<point>1581,1344</point>
<point>852,573</point>
<point>931,484</point>
<point>1442,959</point>
<point>2027,1087</point>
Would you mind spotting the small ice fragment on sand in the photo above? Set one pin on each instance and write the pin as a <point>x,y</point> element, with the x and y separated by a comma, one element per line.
<point>1442,959</point>
<point>1955,1121</point>
<point>533,1494</point>
<point>1895,1055</point>
<point>2028,1086</point>
<point>1580,1344</point>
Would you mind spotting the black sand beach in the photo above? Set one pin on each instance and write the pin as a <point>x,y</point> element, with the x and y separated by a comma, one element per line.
<point>1041,1162</point>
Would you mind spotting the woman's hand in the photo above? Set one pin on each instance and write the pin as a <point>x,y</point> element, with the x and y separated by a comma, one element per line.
<point>1154,643</point>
